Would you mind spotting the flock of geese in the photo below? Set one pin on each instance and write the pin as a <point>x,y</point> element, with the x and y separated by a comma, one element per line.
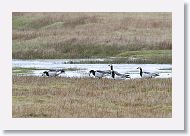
<point>99,73</point>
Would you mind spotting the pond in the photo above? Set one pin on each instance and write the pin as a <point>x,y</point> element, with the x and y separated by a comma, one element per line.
<point>37,67</point>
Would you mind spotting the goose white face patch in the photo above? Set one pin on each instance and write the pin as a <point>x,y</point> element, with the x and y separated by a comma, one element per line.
<point>91,75</point>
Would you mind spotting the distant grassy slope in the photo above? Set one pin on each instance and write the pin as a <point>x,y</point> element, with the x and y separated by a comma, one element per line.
<point>87,35</point>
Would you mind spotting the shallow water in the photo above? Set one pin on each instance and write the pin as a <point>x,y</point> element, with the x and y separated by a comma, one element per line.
<point>164,70</point>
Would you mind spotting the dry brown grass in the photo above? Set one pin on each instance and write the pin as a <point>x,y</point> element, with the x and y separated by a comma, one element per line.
<point>81,35</point>
<point>72,98</point>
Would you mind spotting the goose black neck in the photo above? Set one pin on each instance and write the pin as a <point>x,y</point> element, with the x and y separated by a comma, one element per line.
<point>141,72</point>
<point>112,74</point>
<point>111,67</point>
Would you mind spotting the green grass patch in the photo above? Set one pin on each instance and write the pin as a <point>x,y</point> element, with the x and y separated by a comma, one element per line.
<point>145,53</point>
<point>19,98</point>
<point>22,68</point>
<point>165,69</point>
<point>55,25</point>
<point>19,70</point>
<point>23,22</point>
<point>33,68</point>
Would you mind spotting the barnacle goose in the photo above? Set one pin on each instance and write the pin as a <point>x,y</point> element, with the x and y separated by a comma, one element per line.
<point>98,73</point>
<point>117,75</point>
<point>53,72</point>
<point>144,74</point>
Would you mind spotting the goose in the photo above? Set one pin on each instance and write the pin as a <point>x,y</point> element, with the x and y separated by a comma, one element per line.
<point>144,74</point>
<point>53,72</point>
<point>115,74</point>
<point>98,73</point>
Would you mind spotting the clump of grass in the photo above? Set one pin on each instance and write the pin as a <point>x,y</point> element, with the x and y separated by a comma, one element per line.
<point>146,53</point>
<point>165,69</point>
<point>31,68</point>
<point>131,60</point>
<point>38,97</point>
<point>22,70</point>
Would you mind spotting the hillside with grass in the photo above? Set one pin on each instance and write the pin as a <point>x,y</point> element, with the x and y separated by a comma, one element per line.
<point>133,36</point>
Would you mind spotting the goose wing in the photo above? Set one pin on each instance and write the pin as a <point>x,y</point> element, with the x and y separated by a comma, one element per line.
<point>150,74</point>
<point>121,75</point>
<point>53,70</point>
<point>118,74</point>
<point>103,72</point>
<point>147,73</point>
<point>155,74</point>
<point>57,70</point>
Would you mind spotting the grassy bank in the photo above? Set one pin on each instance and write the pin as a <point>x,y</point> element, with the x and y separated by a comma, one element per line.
<point>90,35</point>
<point>24,71</point>
<point>65,97</point>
